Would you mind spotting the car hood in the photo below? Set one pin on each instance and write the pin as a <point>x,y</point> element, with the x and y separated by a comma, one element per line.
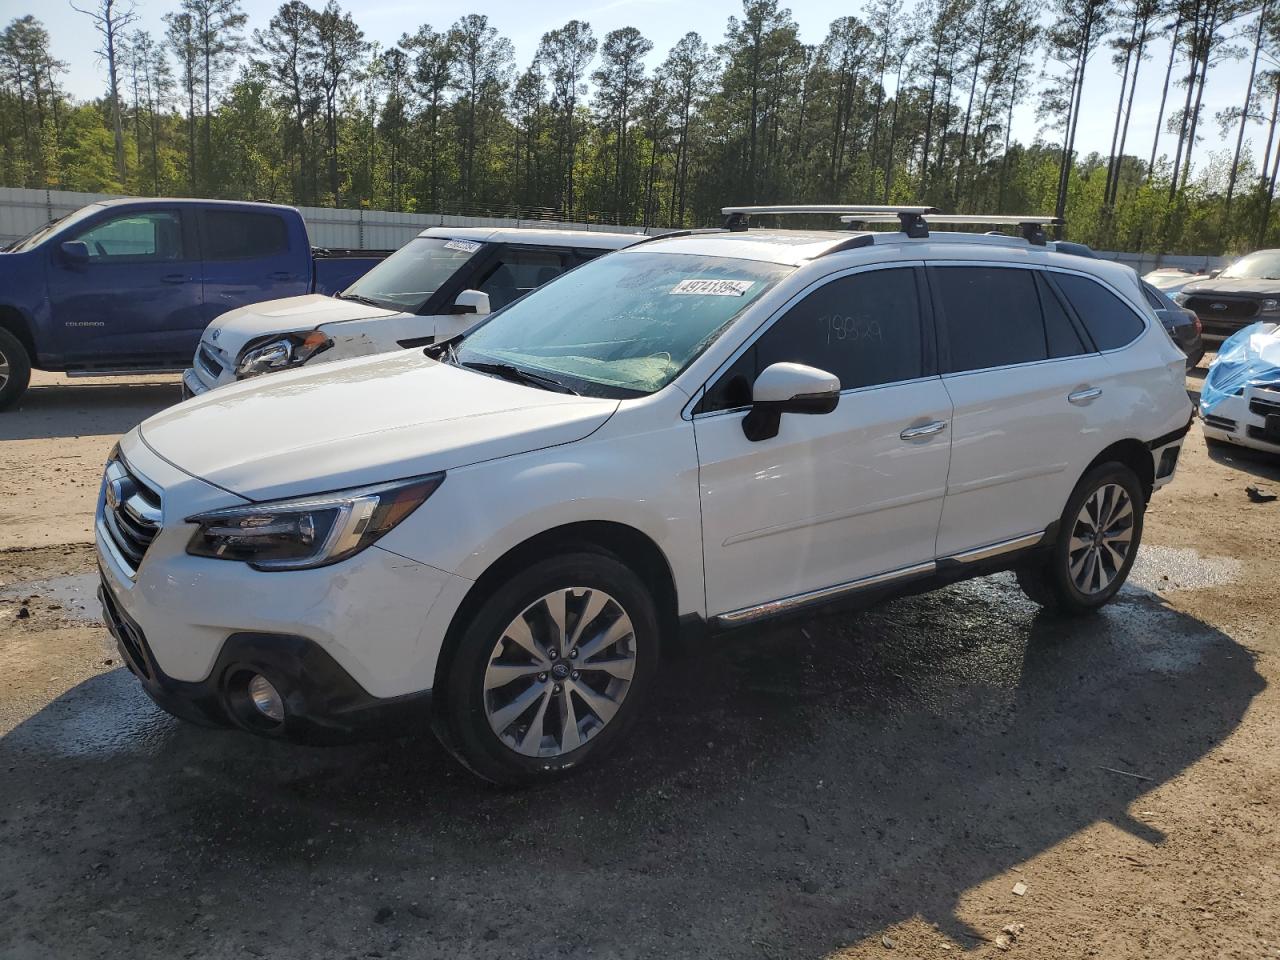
<point>1245,287</point>
<point>229,333</point>
<point>361,421</point>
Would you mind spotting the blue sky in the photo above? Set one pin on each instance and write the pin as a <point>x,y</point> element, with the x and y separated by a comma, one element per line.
<point>664,22</point>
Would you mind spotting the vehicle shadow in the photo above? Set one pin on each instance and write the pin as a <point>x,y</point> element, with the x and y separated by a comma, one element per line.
<point>1246,459</point>
<point>76,409</point>
<point>790,791</point>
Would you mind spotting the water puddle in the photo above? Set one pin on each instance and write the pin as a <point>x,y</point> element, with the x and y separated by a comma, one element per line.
<point>74,596</point>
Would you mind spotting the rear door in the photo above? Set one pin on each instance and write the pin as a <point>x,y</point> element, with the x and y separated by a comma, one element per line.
<point>837,497</point>
<point>135,299</point>
<point>249,256</point>
<point>1030,396</point>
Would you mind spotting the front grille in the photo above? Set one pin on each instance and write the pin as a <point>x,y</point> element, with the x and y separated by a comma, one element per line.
<point>209,362</point>
<point>1222,308</point>
<point>130,513</point>
<point>1263,407</point>
<point>132,642</point>
<point>1222,423</point>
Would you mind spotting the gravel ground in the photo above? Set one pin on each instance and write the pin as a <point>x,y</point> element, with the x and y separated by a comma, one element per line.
<point>950,773</point>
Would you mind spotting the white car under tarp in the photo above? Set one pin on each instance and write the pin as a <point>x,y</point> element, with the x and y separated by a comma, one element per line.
<point>1240,402</point>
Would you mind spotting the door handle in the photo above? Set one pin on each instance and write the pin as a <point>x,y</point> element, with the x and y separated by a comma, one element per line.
<point>924,430</point>
<point>282,275</point>
<point>175,278</point>
<point>1081,397</point>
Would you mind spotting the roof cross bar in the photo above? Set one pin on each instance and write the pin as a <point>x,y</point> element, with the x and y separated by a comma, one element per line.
<point>1031,228</point>
<point>911,218</point>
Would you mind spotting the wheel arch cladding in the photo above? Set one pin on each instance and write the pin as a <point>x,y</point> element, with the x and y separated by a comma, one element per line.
<point>13,320</point>
<point>1135,455</point>
<point>625,543</point>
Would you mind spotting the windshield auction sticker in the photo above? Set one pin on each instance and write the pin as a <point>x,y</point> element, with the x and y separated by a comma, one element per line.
<point>713,288</point>
<point>466,246</point>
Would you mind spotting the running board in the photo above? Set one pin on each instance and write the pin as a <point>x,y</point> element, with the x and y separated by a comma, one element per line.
<point>763,611</point>
<point>144,372</point>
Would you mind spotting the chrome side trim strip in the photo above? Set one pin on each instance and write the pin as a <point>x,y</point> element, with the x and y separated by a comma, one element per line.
<point>736,618</point>
<point>995,549</point>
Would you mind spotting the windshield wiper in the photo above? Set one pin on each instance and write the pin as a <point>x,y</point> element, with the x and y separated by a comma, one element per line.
<point>509,371</point>
<point>368,301</point>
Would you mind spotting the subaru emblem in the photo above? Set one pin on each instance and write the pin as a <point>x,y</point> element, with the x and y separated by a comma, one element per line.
<point>115,493</point>
<point>213,335</point>
<point>1217,306</point>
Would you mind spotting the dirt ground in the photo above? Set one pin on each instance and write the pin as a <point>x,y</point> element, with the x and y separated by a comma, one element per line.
<point>948,774</point>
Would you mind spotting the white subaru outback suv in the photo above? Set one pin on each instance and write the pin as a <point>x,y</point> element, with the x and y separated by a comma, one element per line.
<point>709,429</point>
<point>436,286</point>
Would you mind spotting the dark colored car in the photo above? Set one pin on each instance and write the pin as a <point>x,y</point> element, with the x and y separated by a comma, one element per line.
<point>1242,294</point>
<point>128,286</point>
<point>1180,323</point>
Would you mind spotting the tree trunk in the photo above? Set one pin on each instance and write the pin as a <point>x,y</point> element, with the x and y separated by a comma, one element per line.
<point>1164,97</point>
<point>1244,112</point>
<point>1115,130</point>
<point>1128,112</point>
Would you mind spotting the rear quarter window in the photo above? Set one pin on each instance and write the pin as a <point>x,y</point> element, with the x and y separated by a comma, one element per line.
<point>1110,321</point>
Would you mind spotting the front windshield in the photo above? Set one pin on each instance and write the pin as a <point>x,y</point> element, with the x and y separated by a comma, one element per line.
<point>1263,265</point>
<point>623,325</point>
<point>407,279</point>
<point>38,236</point>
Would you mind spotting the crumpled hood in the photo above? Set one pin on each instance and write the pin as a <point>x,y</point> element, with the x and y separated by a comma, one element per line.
<point>232,330</point>
<point>361,421</point>
<point>1251,355</point>
<point>1244,287</point>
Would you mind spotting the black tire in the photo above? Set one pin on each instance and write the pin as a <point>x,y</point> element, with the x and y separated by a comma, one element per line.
<point>15,355</point>
<point>1048,580</point>
<point>462,721</point>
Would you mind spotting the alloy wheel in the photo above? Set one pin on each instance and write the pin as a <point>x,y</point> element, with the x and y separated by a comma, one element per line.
<point>4,370</point>
<point>1101,538</point>
<point>559,672</point>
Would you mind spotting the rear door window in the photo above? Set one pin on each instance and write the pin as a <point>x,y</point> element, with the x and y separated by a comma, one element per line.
<point>1111,323</point>
<point>241,235</point>
<point>1060,333</point>
<point>991,316</point>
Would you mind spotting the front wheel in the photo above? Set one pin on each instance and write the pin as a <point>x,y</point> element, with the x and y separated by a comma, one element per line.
<point>15,368</point>
<point>1097,542</point>
<point>550,672</point>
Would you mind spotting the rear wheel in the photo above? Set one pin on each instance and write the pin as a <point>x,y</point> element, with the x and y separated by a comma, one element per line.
<point>1098,539</point>
<point>15,368</point>
<point>550,672</point>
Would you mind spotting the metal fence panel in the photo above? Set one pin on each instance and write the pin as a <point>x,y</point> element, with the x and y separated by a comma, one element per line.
<point>22,211</point>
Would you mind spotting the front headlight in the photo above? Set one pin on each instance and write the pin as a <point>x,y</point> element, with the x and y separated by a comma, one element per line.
<point>1181,298</point>
<point>281,353</point>
<point>308,532</point>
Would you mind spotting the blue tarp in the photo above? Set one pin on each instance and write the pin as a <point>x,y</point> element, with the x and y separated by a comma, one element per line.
<point>1251,355</point>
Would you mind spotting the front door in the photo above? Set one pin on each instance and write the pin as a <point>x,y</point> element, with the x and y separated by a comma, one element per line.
<point>136,299</point>
<point>838,497</point>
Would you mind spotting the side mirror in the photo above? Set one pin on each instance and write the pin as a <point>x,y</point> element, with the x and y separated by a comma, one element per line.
<point>76,252</point>
<point>788,388</point>
<point>471,301</point>
<point>1214,273</point>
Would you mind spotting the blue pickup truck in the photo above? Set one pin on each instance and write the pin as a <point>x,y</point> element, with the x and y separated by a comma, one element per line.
<point>128,286</point>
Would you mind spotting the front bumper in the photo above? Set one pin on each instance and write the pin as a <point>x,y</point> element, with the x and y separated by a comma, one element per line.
<point>323,703</point>
<point>1251,419</point>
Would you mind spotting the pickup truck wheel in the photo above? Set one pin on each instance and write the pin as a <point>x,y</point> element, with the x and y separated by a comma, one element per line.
<point>1098,539</point>
<point>551,670</point>
<point>15,368</point>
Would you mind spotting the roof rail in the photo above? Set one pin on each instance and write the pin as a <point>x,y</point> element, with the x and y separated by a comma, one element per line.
<point>911,218</point>
<point>1030,227</point>
<point>670,234</point>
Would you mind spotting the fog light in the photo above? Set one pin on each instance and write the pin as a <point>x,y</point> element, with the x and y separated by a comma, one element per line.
<point>266,698</point>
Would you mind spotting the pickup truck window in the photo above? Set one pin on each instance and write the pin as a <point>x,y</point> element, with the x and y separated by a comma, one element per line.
<point>36,237</point>
<point>235,235</point>
<point>153,235</point>
<point>406,279</point>
<point>625,325</point>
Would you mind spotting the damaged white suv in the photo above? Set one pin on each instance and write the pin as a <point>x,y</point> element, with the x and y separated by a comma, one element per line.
<point>709,429</point>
